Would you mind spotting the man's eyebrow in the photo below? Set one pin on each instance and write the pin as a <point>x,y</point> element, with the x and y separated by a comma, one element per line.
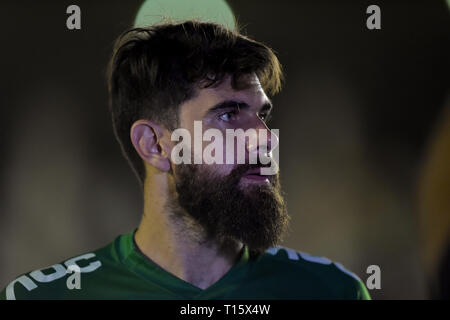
<point>227,104</point>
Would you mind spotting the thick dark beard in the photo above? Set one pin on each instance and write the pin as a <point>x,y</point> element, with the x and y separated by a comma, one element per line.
<point>257,217</point>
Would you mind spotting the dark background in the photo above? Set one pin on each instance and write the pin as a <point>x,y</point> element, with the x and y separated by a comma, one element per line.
<point>357,115</point>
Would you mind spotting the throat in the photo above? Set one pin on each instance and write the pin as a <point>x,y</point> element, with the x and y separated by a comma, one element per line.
<point>200,263</point>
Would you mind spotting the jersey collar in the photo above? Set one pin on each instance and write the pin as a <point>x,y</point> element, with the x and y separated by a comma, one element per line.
<point>145,268</point>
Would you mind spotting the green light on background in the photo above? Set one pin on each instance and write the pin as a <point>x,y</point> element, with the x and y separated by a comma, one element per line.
<point>158,11</point>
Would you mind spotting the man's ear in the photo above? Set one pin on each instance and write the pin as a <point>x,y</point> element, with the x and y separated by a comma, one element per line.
<point>146,138</point>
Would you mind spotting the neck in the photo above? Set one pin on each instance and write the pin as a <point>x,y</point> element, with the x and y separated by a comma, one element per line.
<point>177,243</point>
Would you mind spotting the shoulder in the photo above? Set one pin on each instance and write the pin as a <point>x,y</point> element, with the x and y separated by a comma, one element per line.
<point>61,280</point>
<point>329,279</point>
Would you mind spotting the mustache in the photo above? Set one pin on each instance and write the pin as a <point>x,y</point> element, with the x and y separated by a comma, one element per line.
<point>236,173</point>
<point>230,180</point>
<point>243,168</point>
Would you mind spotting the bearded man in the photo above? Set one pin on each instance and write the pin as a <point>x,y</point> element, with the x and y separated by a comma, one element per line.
<point>208,230</point>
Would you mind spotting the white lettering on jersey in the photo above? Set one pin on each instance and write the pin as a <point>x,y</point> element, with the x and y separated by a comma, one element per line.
<point>91,267</point>
<point>60,272</point>
<point>39,276</point>
<point>292,255</point>
<point>25,281</point>
<point>321,260</point>
<point>351,274</point>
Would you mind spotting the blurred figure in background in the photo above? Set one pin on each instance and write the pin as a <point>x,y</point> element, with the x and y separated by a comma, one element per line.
<point>434,202</point>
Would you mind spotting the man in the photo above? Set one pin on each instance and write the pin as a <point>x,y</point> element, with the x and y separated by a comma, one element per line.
<point>209,230</point>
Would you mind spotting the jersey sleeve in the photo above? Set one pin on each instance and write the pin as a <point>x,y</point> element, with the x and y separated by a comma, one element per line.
<point>362,292</point>
<point>315,277</point>
<point>17,289</point>
<point>354,286</point>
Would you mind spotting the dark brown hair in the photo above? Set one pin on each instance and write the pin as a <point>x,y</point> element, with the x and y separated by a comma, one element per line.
<point>155,69</point>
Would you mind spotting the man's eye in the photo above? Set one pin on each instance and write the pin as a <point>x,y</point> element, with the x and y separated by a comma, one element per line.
<point>228,116</point>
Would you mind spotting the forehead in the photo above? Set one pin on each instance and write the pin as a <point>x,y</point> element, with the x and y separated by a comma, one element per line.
<point>253,95</point>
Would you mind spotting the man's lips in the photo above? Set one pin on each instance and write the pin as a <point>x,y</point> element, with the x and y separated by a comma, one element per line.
<point>255,174</point>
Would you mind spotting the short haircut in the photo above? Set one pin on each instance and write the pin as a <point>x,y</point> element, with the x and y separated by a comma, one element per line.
<point>155,69</point>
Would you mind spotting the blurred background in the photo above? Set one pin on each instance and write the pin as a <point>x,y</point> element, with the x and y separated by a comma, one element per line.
<point>364,123</point>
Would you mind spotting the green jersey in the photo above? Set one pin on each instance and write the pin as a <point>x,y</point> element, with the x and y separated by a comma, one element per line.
<point>120,271</point>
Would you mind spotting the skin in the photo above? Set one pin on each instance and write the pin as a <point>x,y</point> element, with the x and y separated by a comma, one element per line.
<point>180,246</point>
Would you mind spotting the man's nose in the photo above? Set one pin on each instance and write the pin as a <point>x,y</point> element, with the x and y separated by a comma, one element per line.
<point>263,140</point>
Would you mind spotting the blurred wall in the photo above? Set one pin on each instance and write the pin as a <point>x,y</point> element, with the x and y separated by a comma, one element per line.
<point>355,118</point>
